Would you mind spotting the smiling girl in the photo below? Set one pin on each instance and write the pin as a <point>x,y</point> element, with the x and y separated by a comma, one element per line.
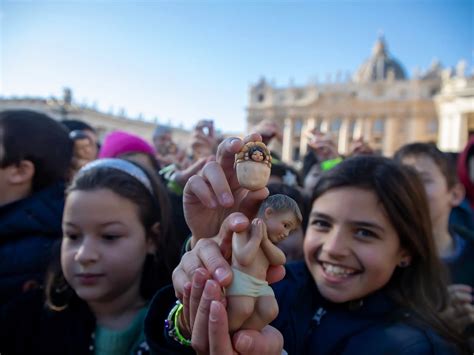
<point>117,250</point>
<point>371,282</point>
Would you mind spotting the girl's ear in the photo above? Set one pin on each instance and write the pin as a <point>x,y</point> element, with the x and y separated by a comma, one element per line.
<point>457,194</point>
<point>151,244</point>
<point>405,258</point>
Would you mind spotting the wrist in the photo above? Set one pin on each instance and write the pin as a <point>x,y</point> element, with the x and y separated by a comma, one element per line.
<point>172,326</point>
<point>181,324</point>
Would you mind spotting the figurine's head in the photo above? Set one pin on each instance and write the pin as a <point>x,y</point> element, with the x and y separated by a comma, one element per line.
<point>257,154</point>
<point>281,215</point>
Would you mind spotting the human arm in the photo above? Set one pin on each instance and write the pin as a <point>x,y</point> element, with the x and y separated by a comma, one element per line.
<point>274,254</point>
<point>323,145</point>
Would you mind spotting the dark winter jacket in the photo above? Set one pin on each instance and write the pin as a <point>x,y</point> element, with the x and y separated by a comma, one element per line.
<point>312,325</point>
<point>27,326</point>
<point>28,229</point>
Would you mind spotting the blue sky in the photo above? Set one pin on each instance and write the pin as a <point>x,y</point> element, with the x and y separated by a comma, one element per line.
<point>185,60</point>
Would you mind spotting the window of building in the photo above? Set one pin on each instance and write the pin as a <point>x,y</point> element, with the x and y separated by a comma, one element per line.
<point>260,97</point>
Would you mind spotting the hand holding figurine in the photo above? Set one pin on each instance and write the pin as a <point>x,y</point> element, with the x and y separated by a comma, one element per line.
<point>215,193</point>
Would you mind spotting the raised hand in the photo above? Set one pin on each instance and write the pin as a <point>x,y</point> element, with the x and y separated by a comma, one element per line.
<point>212,195</point>
<point>460,310</point>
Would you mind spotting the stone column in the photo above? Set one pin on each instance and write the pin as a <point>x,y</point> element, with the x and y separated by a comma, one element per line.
<point>343,142</point>
<point>368,127</point>
<point>287,150</point>
<point>391,136</point>
<point>452,132</point>
<point>308,125</point>
<point>325,123</point>
<point>416,129</point>
<point>358,128</point>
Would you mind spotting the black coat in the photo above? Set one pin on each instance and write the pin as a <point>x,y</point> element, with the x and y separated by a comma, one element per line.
<point>312,325</point>
<point>28,327</point>
<point>28,229</point>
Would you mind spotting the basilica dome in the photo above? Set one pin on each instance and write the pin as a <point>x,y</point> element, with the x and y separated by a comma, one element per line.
<point>380,66</point>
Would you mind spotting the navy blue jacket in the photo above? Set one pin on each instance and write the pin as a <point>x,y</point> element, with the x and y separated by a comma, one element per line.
<point>312,325</point>
<point>28,228</point>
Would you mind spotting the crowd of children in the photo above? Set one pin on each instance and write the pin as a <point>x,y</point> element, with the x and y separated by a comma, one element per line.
<point>130,247</point>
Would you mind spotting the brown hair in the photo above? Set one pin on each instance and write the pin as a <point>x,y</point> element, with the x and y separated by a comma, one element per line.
<point>442,160</point>
<point>421,287</point>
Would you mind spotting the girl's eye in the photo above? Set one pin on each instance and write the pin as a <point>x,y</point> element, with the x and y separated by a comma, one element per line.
<point>110,237</point>
<point>71,236</point>
<point>365,233</point>
<point>320,224</point>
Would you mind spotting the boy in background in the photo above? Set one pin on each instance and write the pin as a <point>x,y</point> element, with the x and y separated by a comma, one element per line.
<point>455,243</point>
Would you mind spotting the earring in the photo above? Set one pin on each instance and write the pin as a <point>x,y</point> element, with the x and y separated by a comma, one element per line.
<point>403,263</point>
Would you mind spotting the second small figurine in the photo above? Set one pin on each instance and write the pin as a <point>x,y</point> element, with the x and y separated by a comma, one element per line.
<point>251,303</point>
<point>253,164</point>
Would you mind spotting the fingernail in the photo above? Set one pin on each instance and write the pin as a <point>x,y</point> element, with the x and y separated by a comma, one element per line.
<point>240,219</point>
<point>212,204</point>
<point>221,274</point>
<point>243,343</point>
<point>187,288</point>
<point>214,314</point>
<point>227,198</point>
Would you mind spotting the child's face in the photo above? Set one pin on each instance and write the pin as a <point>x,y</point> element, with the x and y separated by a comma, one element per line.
<point>279,224</point>
<point>104,247</point>
<point>85,149</point>
<point>440,199</point>
<point>351,248</point>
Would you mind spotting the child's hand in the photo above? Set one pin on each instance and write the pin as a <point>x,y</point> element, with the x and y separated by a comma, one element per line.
<point>460,310</point>
<point>215,193</point>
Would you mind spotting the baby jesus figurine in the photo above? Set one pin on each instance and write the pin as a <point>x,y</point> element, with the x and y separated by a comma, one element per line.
<point>251,303</point>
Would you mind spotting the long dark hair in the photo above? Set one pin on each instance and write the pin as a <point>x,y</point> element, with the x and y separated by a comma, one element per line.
<point>152,208</point>
<point>422,286</point>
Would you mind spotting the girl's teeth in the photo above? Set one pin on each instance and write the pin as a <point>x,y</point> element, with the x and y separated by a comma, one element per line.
<point>337,270</point>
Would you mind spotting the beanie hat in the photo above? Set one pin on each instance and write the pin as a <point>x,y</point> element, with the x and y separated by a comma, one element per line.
<point>119,142</point>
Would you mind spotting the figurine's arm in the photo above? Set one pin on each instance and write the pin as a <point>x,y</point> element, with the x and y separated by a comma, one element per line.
<point>244,246</point>
<point>274,254</point>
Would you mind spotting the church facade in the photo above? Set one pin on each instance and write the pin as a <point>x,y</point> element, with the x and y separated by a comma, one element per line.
<point>379,103</point>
